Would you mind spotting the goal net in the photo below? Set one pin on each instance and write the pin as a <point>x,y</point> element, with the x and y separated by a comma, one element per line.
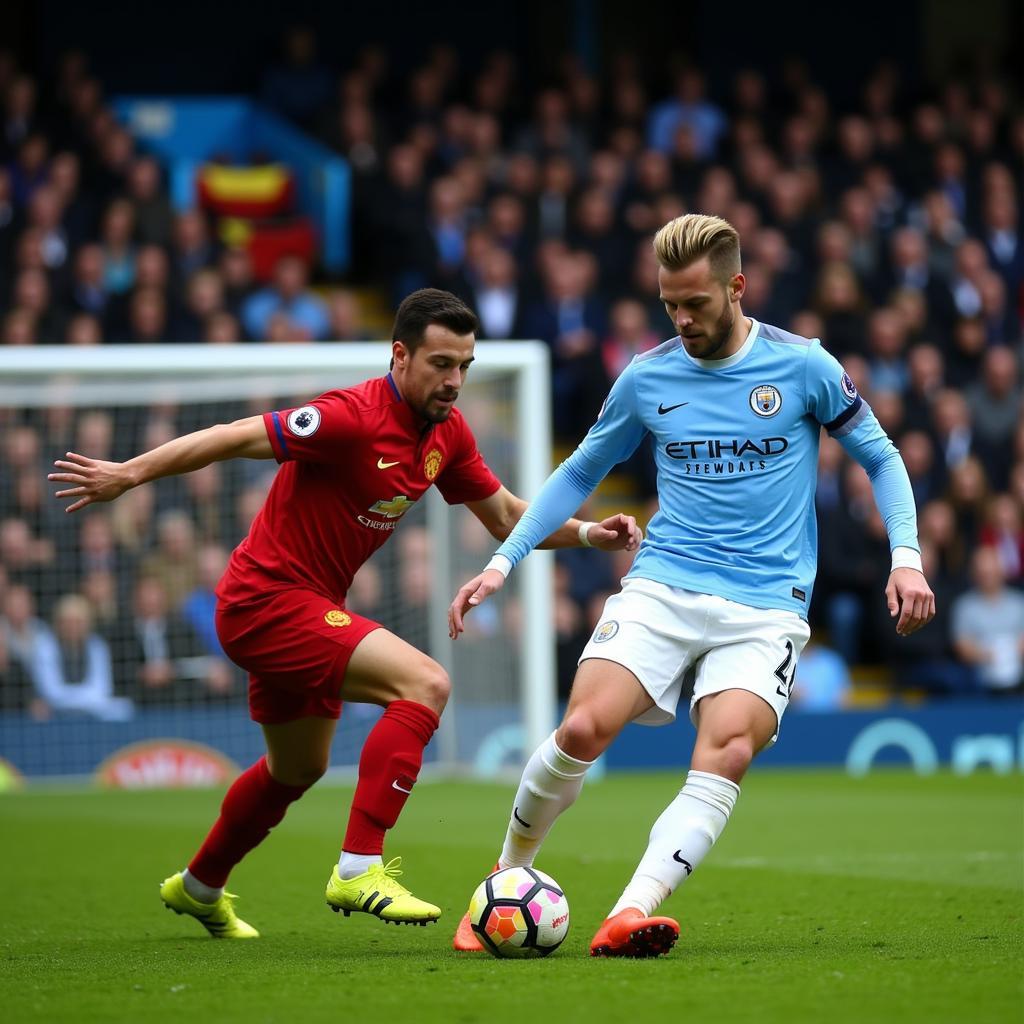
<point>106,616</point>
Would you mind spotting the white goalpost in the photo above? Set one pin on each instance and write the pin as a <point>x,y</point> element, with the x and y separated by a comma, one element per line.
<point>122,399</point>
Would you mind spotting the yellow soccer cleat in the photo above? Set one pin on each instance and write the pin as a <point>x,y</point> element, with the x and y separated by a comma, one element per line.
<point>377,892</point>
<point>219,918</point>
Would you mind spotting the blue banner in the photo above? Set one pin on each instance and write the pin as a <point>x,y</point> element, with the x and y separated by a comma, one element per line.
<point>961,736</point>
<point>964,736</point>
<point>187,131</point>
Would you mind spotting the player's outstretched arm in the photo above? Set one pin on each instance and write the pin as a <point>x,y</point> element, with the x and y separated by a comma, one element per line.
<point>502,510</point>
<point>94,480</point>
<point>478,589</point>
<point>911,598</point>
<point>616,533</point>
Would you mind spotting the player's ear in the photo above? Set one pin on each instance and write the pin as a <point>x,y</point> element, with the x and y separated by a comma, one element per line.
<point>399,354</point>
<point>737,286</point>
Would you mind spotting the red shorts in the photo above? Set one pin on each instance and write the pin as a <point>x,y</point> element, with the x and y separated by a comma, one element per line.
<point>295,645</point>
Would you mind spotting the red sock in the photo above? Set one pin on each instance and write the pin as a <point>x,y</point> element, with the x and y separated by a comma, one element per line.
<point>253,805</point>
<point>388,767</point>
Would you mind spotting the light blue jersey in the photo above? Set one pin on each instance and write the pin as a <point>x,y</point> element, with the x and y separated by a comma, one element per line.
<point>735,442</point>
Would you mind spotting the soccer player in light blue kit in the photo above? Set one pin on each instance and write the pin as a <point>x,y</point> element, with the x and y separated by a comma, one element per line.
<point>721,584</point>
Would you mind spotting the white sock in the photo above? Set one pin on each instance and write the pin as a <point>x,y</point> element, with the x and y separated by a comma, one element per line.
<point>551,782</point>
<point>679,841</point>
<point>352,864</point>
<point>200,891</point>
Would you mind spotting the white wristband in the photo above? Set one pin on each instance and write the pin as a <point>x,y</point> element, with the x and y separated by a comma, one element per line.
<point>501,563</point>
<point>584,539</point>
<point>906,558</point>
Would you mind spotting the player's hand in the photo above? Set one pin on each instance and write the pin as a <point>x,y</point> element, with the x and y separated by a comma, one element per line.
<point>911,598</point>
<point>478,589</point>
<point>616,533</point>
<point>93,480</point>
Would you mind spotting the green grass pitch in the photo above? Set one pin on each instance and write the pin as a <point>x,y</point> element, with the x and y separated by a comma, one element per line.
<point>891,898</point>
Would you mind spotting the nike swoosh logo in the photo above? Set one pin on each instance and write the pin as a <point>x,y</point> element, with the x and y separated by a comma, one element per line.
<point>515,814</point>
<point>381,464</point>
<point>395,785</point>
<point>662,409</point>
<point>686,864</point>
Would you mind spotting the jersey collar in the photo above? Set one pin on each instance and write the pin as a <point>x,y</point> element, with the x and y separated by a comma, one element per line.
<point>736,357</point>
<point>404,412</point>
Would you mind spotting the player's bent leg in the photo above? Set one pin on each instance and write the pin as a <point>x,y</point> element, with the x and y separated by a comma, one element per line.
<point>383,669</point>
<point>732,726</point>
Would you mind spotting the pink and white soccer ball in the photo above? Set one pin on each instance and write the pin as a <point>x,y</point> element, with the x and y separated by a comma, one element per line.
<point>519,912</point>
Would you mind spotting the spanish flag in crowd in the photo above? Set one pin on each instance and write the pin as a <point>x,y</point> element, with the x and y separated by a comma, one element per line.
<point>255,192</point>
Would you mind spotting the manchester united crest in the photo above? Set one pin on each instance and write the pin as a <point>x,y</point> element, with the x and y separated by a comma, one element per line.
<point>336,617</point>
<point>432,463</point>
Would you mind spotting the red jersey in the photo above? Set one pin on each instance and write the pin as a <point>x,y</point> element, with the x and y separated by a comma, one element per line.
<point>354,461</point>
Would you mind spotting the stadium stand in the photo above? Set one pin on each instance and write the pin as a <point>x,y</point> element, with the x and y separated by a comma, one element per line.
<point>889,228</point>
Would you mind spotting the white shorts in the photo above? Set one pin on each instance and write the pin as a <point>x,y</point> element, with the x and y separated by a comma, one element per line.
<point>658,632</point>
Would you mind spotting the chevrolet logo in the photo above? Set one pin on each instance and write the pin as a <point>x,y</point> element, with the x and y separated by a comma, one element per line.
<point>394,508</point>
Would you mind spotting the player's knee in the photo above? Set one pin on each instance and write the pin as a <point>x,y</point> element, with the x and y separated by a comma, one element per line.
<point>429,685</point>
<point>734,756</point>
<point>437,688</point>
<point>581,735</point>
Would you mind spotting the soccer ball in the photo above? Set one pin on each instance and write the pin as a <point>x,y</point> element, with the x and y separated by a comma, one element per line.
<point>519,912</point>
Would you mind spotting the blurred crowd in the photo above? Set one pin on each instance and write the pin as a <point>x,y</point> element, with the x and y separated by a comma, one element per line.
<point>887,225</point>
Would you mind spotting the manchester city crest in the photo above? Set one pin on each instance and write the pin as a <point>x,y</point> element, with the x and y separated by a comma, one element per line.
<point>766,400</point>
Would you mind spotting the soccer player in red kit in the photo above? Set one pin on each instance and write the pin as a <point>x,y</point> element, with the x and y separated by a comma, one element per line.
<point>353,461</point>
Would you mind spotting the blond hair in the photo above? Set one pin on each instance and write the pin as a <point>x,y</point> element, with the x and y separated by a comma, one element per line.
<point>694,235</point>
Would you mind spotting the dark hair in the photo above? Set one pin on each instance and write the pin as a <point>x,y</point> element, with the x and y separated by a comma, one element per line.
<point>431,306</point>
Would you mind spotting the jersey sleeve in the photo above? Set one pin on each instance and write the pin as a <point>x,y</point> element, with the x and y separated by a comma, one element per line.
<point>612,439</point>
<point>833,400</point>
<point>466,477</point>
<point>618,430</point>
<point>832,397</point>
<point>322,431</point>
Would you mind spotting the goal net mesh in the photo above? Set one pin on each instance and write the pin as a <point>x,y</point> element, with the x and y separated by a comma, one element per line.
<point>106,616</point>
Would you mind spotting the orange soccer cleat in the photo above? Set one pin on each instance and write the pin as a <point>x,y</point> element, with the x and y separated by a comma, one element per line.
<point>629,933</point>
<point>465,940</point>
